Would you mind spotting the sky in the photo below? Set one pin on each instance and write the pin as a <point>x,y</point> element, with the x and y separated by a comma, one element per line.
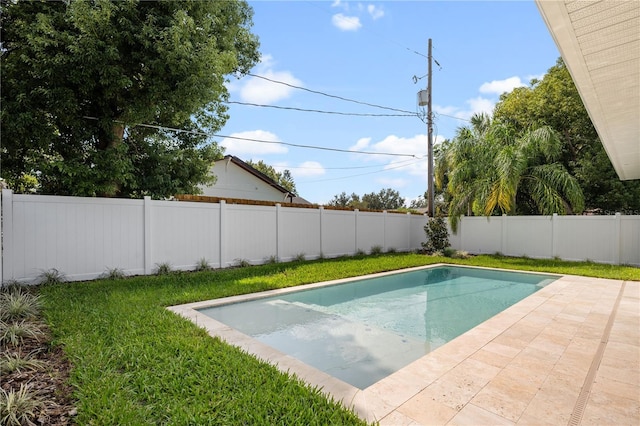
<point>362,64</point>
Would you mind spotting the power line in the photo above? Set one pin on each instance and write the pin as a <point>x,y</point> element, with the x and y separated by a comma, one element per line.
<point>346,168</point>
<point>195,132</point>
<point>321,111</point>
<point>328,95</point>
<point>364,174</point>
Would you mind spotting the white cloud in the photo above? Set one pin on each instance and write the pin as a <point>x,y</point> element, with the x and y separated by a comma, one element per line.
<point>244,148</point>
<point>375,12</point>
<point>498,87</point>
<point>346,23</point>
<point>480,105</point>
<point>308,169</point>
<point>361,145</point>
<point>261,91</point>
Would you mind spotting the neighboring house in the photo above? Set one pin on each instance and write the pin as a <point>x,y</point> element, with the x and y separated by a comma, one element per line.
<point>237,179</point>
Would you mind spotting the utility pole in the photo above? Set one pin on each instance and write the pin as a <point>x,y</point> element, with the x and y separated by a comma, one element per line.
<point>424,98</point>
<point>430,191</point>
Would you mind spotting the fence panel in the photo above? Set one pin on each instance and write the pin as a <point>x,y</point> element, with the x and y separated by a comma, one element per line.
<point>396,232</point>
<point>630,240</point>
<point>182,233</point>
<point>298,233</point>
<point>528,236</point>
<point>481,234</point>
<point>338,229</point>
<point>80,237</point>
<point>416,231</point>
<point>586,238</point>
<point>370,230</point>
<point>249,234</point>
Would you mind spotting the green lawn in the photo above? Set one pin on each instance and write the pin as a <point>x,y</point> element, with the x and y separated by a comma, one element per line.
<point>136,363</point>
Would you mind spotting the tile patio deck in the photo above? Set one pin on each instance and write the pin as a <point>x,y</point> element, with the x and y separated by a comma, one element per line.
<point>568,354</point>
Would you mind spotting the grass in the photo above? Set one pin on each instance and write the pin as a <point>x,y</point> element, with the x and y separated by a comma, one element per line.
<point>137,363</point>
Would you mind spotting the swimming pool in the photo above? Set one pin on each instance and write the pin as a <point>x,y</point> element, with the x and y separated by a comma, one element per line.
<point>366,329</point>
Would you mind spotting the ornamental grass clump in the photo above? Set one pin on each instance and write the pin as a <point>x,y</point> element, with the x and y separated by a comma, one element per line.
<point>14,333</point>
<point>19,407</point>
<point>17,303</point>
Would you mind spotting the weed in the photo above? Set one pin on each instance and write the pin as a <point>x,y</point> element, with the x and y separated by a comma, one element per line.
<point>271,260</point>
<point>16,363</point>
<point>376,249</point>
<point>203,265</point>
<point>114,274</point>
<point>391,250</point>
<point>51,276</point>
<point>163,268</point>
<point>300,257</point>
<point>360,252</point>
<point>242,263</point>
<point>19,407</point>
<point>14,333</point>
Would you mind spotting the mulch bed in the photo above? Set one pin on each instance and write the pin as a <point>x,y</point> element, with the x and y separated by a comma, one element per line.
<point>49,383</point>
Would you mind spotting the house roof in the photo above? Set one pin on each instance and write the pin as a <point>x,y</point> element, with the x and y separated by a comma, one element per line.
<point>269,181</point>
<point>600,44</point>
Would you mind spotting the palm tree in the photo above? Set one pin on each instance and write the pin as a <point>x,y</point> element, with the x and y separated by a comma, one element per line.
<point>493,170</point>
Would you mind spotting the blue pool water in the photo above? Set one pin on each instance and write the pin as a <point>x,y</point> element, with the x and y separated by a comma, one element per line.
<point>364,330</point>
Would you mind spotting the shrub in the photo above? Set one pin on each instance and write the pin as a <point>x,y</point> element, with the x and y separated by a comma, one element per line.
<point>437,235</point>
<point>391,250</point>
<point>449,252</point>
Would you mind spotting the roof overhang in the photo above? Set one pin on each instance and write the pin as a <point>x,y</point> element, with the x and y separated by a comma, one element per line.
<point>600,44</point>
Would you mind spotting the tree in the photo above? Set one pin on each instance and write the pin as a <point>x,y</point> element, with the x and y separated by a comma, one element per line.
<point>554,101</point>
<point>283,179</point>
<point>495,169</point>
<point>386,199</point>
<point>87,87</point>
<point>344,200</point>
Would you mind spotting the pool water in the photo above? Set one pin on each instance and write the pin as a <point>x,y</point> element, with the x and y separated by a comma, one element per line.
<point>364,330</point>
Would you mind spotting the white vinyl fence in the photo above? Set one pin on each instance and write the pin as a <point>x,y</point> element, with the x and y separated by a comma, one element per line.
<point>85,237</point>
<point>611,239</point>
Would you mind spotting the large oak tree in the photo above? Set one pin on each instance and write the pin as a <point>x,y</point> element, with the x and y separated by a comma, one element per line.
<point>86,82</point>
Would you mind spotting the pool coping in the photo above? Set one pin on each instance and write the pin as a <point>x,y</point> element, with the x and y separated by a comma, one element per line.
<point>454,380</point>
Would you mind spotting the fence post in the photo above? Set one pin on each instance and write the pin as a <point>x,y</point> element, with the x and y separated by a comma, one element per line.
<point>278,229</point>
<point>6,237</point>
<point>148,261</point>
<point>409,231</point>
<point>223,233</point>
<point>617,239</point>
<point>384,230</point>
<point>505,230</point>
<point>554,235</point>
<point>356,212</point>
